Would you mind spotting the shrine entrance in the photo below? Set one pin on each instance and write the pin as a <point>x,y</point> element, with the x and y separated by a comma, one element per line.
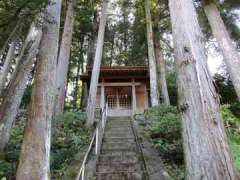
<point>119,100</point>
<point>125,89</point>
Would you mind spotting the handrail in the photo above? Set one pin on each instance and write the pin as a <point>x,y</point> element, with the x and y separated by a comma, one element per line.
<point>135,133</point>
<point>97,138</point>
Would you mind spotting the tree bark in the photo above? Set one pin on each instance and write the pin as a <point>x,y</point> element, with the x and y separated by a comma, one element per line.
<point>231,56</point>
<point>84,97</point>
<point>76,86</point>
<point>92,41</point>
<point>17,85</point>
<point>35,153</point>
<point>96,67</point>
<point>63,59</point>
<point>161,71</point>
<point>7,64</point>
<point>9,38</point>
<point>151,56</point>
<point>207,153</point>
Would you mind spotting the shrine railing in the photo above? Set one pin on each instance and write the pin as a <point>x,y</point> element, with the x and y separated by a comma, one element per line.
<point>95,143</point>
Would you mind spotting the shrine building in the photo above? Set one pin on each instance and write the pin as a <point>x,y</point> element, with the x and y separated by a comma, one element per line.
<point>126,89</point>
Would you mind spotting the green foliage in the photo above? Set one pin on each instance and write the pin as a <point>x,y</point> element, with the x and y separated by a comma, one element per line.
<point>69,136</point>
<point>232,124</point>
<point>225,89</point>
<point>165,131</point>
<point>8,166</point>
<point>235,146</point>
<point>172,87</point>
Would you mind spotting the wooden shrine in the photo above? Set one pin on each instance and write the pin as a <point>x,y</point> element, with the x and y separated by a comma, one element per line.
<point>124,88</point>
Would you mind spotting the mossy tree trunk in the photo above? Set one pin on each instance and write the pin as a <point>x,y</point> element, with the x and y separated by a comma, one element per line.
<point>161,70</point>
<point>6,66</point>
<point>231,56</point>
<point>34,160</point>
<point>154,93</point>
<point>63,59</point>
<point>207,153</point>
<point>96,66</point>
<point>16,88</point>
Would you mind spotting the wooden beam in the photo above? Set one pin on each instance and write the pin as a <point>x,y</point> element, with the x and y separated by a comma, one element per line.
<point>120,84</point>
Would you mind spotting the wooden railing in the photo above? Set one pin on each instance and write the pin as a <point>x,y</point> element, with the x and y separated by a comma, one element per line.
<point>95,143</point>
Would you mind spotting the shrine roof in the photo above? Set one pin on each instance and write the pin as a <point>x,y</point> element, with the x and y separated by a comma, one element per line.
<point>118,71</point>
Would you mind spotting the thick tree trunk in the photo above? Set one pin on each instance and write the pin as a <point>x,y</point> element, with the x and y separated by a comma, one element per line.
<point>7,64</point>
<point>231,56</point>
<point>63,59</point>
<point>151,57</point>
<point>75,104</point>
<point>35,152</point>
<point>96,66</point>
<point>84,97</point>
<point>9,38</point>
<point>207,153</point>
<point>161,71</point>
<point>92,41</point>
<point>15,90</point>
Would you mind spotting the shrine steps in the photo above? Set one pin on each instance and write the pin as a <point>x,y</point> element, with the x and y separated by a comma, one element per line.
<point>120,157</point>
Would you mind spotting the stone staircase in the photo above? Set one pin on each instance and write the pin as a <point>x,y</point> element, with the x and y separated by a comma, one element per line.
<point>120,158</point>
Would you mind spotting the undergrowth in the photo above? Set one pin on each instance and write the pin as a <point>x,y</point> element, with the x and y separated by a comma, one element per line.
<point>69,136</point>
<point>164,132</point>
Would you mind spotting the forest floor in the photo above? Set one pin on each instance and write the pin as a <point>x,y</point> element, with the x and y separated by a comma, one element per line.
<point>69,137</point>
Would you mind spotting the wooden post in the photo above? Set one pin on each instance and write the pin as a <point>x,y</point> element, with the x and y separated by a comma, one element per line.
<point>146,96</point>
<point>118,104</point>
<point>102,94</point>
<point>134,101</point>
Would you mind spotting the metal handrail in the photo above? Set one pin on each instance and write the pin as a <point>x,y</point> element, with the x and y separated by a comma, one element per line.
<point>97,138</point>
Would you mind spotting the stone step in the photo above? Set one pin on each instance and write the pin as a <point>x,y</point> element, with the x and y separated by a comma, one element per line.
<point>118,118</point>
<point>123,175</point>
<point>119,134</point>
<point>119,139</point>
<point>117,128</point>
<point>113,167</point>
<point>119,145</point>
<point>118,158</point>
<point>120,153</point>
<point>110,151</point>
<point>118,124</point>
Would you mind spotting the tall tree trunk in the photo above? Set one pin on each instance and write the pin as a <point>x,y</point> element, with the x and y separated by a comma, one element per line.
<point>63,59</point>
<point>151,56</point>
<point>96,67</point>
<point>84,97</point>
<point>92,41</point>
<point>161,70</point>
<point>9,38</point>
<point>7,64</point>
<point>231,56</point>
<point>35,153</point>
<point>15,90</point>
<point>207,153</point>
<point>76,86</point>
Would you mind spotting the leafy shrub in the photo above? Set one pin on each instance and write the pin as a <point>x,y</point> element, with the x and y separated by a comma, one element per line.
<point>165,131</point>
<point>232,124</point>
<point>235,108</point>
<point>8,166</point>
<point>69,136</point>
